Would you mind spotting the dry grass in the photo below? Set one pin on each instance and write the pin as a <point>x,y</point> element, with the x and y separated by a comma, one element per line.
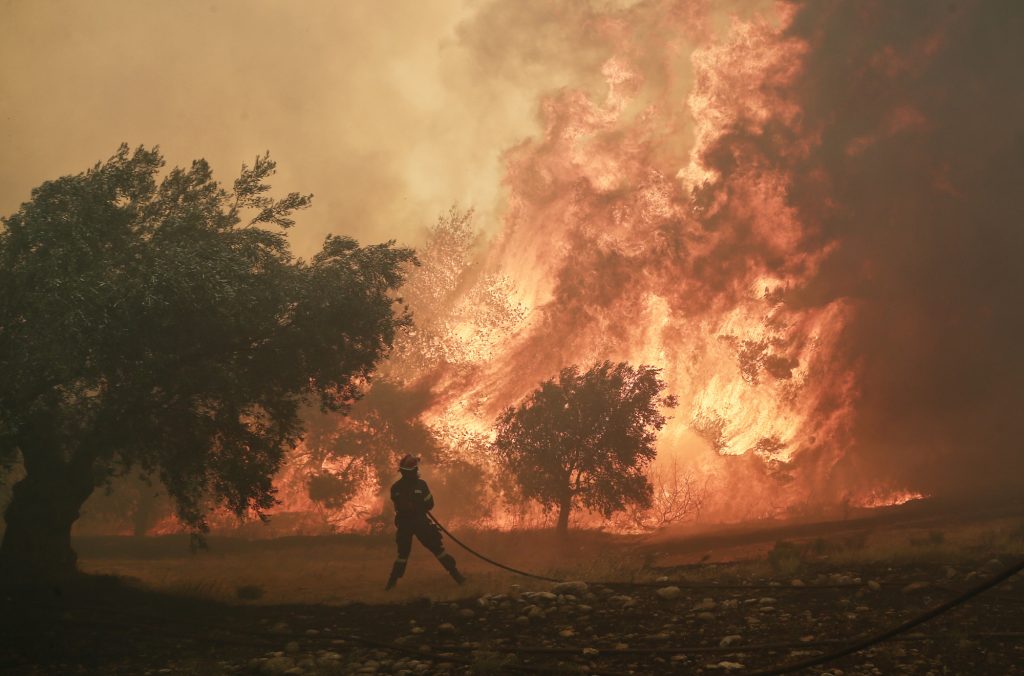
<point>953,543</point>
<point>338,570</point>
<point>341,570</point>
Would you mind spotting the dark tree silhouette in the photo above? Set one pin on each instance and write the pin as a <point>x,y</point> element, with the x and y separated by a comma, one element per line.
<point>166,327</point>
<point>585,439</point>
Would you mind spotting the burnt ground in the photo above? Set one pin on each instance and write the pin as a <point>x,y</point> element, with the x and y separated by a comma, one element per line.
<point>799,599</point>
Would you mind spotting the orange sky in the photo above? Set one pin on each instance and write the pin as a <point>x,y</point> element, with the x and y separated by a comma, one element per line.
<point>376,108</point>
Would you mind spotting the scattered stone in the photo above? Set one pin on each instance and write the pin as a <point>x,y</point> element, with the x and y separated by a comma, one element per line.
<point>622,646</point>
<point>466,613</point>
<point>312,632</point>
<point>567,633</point>
<point>572,587</point>
<point>732,639</point>
<point>292,647</point>
<point>914,587</point>
<point>993,566</point>
<point>590,652</point>
<point>663,578</point>
<point>328,658</point>
<point>277,665</point>
<point>797,583</point>
<point>767,601</point>
<point>545,596</point>
<point>522,619</point>
<point>706,604</point>
<point>706,616</point>
<point>669,593</point>
<point>731,603</point>
<point>280,628</point>
<point>623,600</point>
<point>726,665</point>
<point>417,630</point>
<point>874,585</point>
<point>446,628</point>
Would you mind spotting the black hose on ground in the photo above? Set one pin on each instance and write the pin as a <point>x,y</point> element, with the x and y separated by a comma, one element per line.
<point>894,631</point>
<point>484,558</point>
<point>862,644</point>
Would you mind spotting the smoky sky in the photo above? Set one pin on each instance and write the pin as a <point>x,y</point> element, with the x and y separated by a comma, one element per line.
<point>387,112</point>
<point>920,108</point>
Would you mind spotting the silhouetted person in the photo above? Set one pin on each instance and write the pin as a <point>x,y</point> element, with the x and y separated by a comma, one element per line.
<point>412,501</point>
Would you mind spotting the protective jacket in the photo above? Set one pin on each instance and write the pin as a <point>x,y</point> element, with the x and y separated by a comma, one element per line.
<point>412,499</point>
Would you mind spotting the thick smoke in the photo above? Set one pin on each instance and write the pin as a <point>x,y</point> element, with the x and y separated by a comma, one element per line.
<point>386,112</point>
<point>917,175</point>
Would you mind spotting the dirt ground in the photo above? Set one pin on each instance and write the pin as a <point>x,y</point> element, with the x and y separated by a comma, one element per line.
<point>722,601</point>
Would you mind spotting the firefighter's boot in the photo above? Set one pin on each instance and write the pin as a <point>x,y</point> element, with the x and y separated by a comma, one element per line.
<point>397,571</point>
<point>448,561</point>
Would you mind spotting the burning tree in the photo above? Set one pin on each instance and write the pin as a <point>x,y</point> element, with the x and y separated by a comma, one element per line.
<point>460,313</point>
<point>165,326</point>
<point>585,439</point>
<point>677,494</point>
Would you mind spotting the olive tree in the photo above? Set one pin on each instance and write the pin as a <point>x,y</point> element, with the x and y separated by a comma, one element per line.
<point>585,439</point>
<point>158,322</point>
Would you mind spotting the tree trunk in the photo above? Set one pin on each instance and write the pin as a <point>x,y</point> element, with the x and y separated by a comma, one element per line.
<point>142,518</point>
<point>43,507</point>
<point>564,507</point>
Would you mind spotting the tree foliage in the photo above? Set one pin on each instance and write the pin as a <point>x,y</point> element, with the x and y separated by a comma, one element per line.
<point>460,313</point>
<point>585,439</point>
<point>164,325</point>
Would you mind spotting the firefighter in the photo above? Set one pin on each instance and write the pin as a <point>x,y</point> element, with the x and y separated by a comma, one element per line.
<point>412,501</point>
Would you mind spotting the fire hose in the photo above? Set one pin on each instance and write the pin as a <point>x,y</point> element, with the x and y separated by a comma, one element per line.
<point>858,646</point>
<point>488,560</point>
<point>874,639</point>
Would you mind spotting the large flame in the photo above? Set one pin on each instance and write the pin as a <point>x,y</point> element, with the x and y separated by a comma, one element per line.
<point>651,226</point>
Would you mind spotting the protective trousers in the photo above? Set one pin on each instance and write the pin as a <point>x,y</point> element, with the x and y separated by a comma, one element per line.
<point>429,535</point>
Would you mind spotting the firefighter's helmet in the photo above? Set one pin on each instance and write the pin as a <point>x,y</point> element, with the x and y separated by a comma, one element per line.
<point>409,464</point>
